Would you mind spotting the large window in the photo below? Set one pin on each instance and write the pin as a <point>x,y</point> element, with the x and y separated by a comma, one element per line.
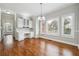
<point>53,26</point>
<point>68,25</point>
<point>43,26</point>
<point>63,26</point>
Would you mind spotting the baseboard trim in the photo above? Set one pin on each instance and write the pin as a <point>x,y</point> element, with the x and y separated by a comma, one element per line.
<point>60,41</point>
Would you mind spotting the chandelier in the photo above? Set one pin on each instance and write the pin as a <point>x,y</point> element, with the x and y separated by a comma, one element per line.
<point>41,13</point>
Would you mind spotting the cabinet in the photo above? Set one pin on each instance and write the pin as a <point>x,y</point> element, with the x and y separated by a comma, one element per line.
<point>24,28</point>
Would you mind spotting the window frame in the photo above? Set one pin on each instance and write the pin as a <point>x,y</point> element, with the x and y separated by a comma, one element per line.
<point>42,26</point>
<point>72,25</point>
<point>58,21</point>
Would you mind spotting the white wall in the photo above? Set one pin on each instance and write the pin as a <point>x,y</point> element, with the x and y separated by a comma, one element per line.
<point>71,9</point>
<point>36,27</point>
<point>77,25</point>
<point>0,24</point>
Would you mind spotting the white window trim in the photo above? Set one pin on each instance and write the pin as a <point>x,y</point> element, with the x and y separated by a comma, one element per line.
<point>73,22</point>
<point>55,34</point>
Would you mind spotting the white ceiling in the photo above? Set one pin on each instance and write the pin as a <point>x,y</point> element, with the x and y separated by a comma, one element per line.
<point>33,8</point>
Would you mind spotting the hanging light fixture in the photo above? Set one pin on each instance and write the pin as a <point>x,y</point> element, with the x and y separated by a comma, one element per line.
<point>41,15</point>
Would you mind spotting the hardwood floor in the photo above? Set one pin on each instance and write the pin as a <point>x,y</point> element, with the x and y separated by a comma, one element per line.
<point>38,47</point>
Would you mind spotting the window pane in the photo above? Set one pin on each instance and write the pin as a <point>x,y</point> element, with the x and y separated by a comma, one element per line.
<point>43,26</point>
<point>67,25</point>
<point>53,27</point>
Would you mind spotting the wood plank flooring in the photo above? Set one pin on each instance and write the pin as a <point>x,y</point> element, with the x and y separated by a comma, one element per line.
<point>38,47</point>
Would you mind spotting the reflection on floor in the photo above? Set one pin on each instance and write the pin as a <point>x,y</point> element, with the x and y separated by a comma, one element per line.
<point>38,47</point>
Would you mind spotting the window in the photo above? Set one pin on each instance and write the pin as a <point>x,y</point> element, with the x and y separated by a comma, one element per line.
<point>57,26</point>
<point>43,26</point>
<point>68,25</point>
<point>53,26</point>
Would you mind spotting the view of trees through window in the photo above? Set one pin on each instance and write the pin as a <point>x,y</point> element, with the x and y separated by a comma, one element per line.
<point>53,27</point>
<point>67,26</point>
